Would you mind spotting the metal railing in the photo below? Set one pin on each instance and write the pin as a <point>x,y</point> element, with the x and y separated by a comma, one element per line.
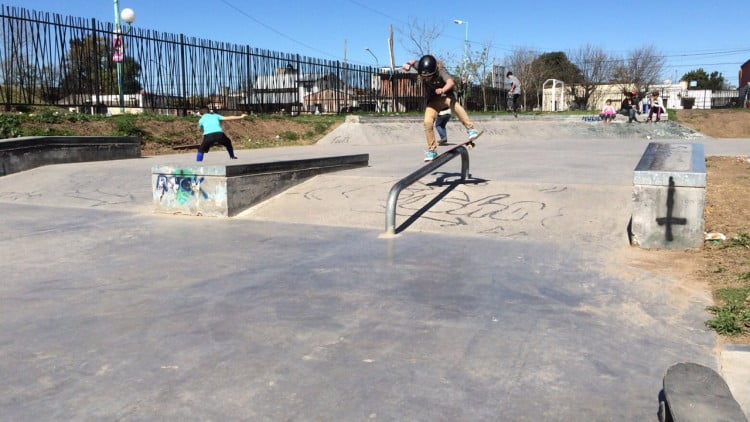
<point>440,160</point>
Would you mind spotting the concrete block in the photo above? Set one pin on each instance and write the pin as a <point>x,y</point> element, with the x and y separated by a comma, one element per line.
<point>224,191</point>
<point>26,153</point>
<point>669,195</point>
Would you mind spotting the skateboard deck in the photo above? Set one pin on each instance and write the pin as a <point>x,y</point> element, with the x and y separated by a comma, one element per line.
<point>469,144</point>
<point>694,392</point>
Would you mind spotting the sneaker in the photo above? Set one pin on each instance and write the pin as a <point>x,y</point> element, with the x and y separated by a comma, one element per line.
<point>443,142</point>
<point>430,155</point>
<point>473,134</point>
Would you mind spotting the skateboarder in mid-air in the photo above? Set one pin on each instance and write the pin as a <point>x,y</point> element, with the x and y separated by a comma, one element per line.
<point>439,94</point>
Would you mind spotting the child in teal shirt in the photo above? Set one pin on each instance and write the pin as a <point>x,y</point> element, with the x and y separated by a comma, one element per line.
<point>213,134</point>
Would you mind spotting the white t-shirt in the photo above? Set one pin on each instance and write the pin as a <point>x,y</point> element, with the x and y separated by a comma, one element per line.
<point>516,84</point>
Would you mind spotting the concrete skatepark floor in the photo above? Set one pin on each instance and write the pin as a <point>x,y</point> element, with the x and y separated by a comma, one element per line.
<point>110,311</point>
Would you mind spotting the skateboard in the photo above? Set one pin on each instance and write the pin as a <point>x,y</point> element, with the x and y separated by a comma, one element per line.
<point>470,144</point>
<point>694,392</point>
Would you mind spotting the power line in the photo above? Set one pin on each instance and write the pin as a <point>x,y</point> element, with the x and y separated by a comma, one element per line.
<point>276,31</point>
<point>373,10</point>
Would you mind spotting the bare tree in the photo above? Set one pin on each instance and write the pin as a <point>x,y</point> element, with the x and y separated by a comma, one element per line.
<point>475,68</point>
<point>596,68</point>
<point>18,74</point>
<point>640,69</point>
<point>520,62</point>
<point>418,37</point>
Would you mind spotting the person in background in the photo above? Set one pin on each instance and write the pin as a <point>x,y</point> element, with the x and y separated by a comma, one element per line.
<point>515,90</point>
<point>629,108</point>
<point>655,106</point>
<point>608,113</point>
<point>438,93</point>
<point>213,133</point>
<point>442,120</point>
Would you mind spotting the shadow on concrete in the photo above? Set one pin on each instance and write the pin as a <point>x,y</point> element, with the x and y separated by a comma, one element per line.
<point>452,180</point>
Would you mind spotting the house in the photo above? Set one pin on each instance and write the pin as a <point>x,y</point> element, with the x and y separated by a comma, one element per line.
<point>744,76</point>
<point>288,89</point>
<point>401,88</point>
<point>110,104</point>
<point>674,96</point>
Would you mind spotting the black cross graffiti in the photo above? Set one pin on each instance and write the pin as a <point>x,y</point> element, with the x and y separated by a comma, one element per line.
<point>669,220</point>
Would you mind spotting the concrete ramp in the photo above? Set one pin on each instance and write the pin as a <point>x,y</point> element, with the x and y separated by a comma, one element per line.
<point>363,131</point>
<point>439,204</point>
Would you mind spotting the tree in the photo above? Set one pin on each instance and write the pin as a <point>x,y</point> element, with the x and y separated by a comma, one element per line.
<point>596,69</point>
<point>520,63</point>
<point>419,37</point>
<point>640,69</point>
<point>476,68</point>
<point>20,76</point>
<point>555,65</point>
<point>89,69</point>
<point>715,81</point>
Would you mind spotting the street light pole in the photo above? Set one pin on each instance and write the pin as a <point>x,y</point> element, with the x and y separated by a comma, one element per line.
<point>119,49</point>
<point>466,38</point>
<point>367,49</point>
<point>465,77</point>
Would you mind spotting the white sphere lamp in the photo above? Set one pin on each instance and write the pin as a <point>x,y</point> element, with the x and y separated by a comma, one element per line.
<point>128,15</point>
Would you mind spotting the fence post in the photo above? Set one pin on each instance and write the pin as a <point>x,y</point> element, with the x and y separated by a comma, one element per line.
<point>338,87</point>
<point>183,76</point>
<point>247,80</point>
<point>8,74</point>
<point>97,62</point>
<point>299,94</point>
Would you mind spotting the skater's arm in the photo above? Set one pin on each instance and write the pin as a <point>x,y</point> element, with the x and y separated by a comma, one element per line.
<point>409,65</point>
<point>235,117</point>
<point>449,84</point>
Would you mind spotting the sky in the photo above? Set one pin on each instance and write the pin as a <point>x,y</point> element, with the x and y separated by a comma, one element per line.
<point>690,34</point>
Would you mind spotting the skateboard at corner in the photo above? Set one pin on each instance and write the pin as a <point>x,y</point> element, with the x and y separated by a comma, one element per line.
<point>694,392</point>
<point>470,144</point>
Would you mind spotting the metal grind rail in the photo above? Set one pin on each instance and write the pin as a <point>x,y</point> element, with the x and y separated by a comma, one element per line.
<point>390,209</point>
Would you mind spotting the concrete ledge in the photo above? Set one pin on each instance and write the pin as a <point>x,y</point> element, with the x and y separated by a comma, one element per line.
<point>20,154</point>
<point>224,191</point>
<point>669,196</point>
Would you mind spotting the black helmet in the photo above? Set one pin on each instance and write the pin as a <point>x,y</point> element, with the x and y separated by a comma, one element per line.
<point>427,65</point>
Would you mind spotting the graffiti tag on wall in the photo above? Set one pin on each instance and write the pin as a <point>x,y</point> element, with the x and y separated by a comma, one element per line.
<point>184,186</point>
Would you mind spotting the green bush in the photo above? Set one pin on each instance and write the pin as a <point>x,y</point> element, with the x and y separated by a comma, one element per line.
<point>127,126</point>
<point>47,131</point>
<point>289,135</point>
<point>10,125</point>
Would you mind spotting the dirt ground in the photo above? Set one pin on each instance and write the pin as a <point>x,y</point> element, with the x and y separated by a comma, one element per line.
<point>250,133</point>
<point>728,123</point>
<point>727,211</point>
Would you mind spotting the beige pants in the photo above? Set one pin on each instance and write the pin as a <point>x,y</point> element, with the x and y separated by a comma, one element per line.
<point>431,112</point>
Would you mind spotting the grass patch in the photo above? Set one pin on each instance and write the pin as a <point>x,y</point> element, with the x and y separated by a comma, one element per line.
<point>741,240</point>
<point>673,115</point>
<point>47,131</point>
<point>732,318</point>
<point>10,125</point>
<point>128,126</point>
<point>289,135</point>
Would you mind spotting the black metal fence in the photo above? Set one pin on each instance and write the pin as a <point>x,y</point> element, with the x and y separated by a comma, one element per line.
<point>49,59</point>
